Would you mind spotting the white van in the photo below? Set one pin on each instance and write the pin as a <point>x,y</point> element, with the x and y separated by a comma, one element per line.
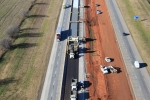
<point>136,64</point>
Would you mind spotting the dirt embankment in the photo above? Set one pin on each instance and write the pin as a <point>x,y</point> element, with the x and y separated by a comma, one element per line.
<point>99,28</point>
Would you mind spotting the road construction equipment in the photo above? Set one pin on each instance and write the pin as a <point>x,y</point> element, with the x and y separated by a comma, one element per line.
<point>73,45</point>
<point>108,69</point>
<point>73,95</point>
<point>104,69</point>
<point>74,84</point>
<point>112,69</point>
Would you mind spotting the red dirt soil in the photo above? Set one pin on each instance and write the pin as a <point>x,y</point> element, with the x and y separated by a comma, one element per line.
<point>109,86</point>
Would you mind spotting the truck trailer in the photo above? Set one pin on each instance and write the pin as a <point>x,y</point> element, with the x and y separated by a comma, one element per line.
<point>58,33</point>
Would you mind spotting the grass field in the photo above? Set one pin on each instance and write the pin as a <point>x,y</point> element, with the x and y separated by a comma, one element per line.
<point>23,67</point>
<point>139,29</point>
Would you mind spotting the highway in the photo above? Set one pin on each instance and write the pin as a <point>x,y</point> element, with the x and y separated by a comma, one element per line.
<point>139,78</point>
<point>54,76</point>
<point>72,65</point>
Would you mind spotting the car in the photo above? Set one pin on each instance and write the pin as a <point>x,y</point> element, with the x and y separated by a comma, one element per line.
<point>136,64</point>
<point>98,12</point>
<point>107,59</point>
<point>97,5</point>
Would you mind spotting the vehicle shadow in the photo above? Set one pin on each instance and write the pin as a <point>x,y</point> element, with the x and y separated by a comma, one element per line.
<point>85,50</point>
<point>111,59</point>
<point>89,40</point>
<point>65,34</point>
<point>125,34</point>
<point>86,6</point>
<point>143,65</point>
<point>85,85</point>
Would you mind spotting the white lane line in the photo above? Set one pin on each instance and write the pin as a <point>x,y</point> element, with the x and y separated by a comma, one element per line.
<point>146,85</point>
<point>57,62</point>
<point>53,83</point>
<point>51,95</point>
<point>58,54</point>
<point>132,67</point>
<point>135,76</point>
<point>139,87</point>
<point>126,50</point>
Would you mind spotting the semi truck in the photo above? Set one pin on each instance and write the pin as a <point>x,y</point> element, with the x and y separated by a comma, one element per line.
<point>58,33</point>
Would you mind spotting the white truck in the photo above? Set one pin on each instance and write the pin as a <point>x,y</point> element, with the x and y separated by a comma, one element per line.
<point>73,95</point>
<point>74,84</point>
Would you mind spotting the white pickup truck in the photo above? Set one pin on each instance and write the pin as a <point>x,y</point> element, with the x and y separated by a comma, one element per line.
<point>74,84</point>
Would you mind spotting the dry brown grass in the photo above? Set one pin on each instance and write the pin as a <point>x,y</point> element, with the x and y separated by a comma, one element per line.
<point>139,29</point>
<point>23,67</point>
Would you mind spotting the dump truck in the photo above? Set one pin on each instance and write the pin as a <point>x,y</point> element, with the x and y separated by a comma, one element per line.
<point>74,84</point>
<point>73,95</point>
<point>73,45</point>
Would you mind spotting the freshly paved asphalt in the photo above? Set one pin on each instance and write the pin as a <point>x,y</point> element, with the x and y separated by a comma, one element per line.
<point>71,72</point>
<point>139,78</point>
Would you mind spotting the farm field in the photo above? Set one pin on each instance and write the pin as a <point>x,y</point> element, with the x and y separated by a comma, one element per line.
<point>23,66</point>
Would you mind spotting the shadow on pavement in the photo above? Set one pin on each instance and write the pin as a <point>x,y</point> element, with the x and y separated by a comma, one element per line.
<point>65,34</point>
<point>125,34</point>
<point>85,50</point>
<point>143,65</point>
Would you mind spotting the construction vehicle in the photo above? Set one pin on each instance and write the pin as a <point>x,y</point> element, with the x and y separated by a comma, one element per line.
<point>73,45</point>
<point>73,95</point>
<point>112,69</point>
<point>74,84</point>
<point>66,5</point>
<point>104,69</point>
<point>108,69</point>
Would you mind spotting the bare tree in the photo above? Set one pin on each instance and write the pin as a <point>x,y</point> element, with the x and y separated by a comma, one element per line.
<point>12,31</point>
<point>5,43</point>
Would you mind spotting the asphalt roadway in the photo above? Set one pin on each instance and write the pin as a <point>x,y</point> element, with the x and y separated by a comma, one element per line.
<point>54,76</point>
<point>139,78</point>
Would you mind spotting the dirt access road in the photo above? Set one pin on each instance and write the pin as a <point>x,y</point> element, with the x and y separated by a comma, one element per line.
<point>99,27</point>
